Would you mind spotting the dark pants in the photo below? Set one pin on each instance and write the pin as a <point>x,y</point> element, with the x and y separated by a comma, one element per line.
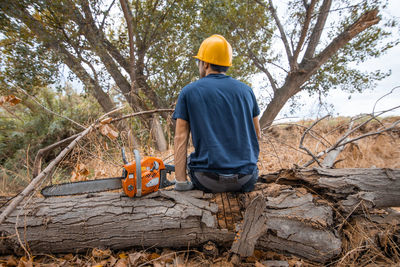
<point>216,183</point>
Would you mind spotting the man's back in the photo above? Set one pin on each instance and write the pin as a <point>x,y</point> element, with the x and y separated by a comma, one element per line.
<point>220,112</point>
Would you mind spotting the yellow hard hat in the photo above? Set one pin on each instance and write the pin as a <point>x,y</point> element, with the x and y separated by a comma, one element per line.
<point>215,50</point>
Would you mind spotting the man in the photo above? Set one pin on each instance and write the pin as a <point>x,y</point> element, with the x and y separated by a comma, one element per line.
<point>222,115</point>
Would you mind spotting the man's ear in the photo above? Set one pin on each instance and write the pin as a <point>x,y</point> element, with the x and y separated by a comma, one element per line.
<point>206,65</point>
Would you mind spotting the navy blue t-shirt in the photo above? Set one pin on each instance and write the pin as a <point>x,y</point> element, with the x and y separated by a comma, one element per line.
<point>220,112</point>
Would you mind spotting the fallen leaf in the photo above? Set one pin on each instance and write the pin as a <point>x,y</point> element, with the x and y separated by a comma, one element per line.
<point>10,99</point>
<point>11,261</point>
<point>13,100</point>
<point>122,256</point>
<point>121,263</point>
<point>153,256</point>
<point>158,264</point>
<point>251,259</point>
<point>80,173</point>
<point>112,261</point>
<point>109,131</point>
<point>69,257</point>
<point>82,169</point>
<point>106,121</point>
<point>168,255</point>
<point>23,262</point>
<point>101,254</point>
<point>134,257</point>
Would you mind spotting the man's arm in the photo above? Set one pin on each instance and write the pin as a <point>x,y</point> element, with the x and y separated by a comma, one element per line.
<point>257,127</point>
<point>182,131</point>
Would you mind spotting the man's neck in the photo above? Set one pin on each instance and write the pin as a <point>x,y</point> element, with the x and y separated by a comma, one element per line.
<point>213,72</point>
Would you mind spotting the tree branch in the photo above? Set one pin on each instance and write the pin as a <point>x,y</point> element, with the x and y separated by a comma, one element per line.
<point>301,146</point>
<point>105,15</point>
<point>129,21</point>
<point>309,10</point>
<point>317,31</point>
<point>257,62</point>
<point>345,140</point>
<point>93,35</point>
<point>142,113</point>
<point>368,19</point>
<point>281,30</point>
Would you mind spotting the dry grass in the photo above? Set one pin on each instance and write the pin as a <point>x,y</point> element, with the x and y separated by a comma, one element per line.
<point>280,145</point>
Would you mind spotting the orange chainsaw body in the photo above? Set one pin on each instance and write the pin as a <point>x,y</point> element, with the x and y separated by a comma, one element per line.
<point>150,177</point>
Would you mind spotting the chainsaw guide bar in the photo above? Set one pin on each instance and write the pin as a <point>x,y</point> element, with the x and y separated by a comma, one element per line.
<point>82,187</point>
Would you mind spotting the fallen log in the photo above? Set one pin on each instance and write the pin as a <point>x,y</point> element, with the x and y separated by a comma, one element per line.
<point>297,220</point>
<point>351,189</point>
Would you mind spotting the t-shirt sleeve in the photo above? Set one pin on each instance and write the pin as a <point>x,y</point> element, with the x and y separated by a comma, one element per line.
<point>256,109</point>
<point>181,110</point>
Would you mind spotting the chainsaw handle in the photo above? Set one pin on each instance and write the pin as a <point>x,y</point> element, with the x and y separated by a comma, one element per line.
<point>163,175</point>
<point>169,168</point>
<point>123,156</point>
<point>138,173</point>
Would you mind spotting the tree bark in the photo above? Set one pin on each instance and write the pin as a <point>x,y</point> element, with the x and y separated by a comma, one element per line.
<point>158,134</point>
<point>351,189</point>
<point>302,211</point>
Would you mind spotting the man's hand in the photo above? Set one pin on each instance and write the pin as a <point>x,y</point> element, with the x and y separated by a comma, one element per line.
<point>183,186</point>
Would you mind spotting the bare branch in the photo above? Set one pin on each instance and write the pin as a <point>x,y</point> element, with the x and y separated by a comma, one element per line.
<point>392,126</point>
<point>129,21</point>
<point>309,10</point>
<point>257,62</point>
<point>311,132</point>
<point>391,91</point>
<point>37,165</point>
<point>301,146</point>
<point>317,31</point>
<point>281,30</point>
<point>276,153</point>
<point>142,113</point>
<point>345,140</point>
<point>105,15</point>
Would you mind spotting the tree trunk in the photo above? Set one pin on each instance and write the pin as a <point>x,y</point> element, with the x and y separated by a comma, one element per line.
<point>158,134</point>
<point>274,107</point>
<point>298,221</point>
<point>280,98</point>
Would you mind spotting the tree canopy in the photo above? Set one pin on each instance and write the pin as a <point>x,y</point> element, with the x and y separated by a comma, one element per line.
<point>141,50</point>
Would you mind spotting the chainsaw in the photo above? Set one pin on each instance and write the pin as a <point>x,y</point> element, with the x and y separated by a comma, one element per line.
<point>141,177</point>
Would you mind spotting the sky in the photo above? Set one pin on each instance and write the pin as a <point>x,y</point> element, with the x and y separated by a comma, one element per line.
<point>360,102</point>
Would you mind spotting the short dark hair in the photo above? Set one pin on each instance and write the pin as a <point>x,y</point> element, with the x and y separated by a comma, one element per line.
<point>219,68</point>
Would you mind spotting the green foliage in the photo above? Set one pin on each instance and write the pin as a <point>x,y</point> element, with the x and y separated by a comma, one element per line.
<point>24,61</point>
<point>341,72</point>
<point>24,132</point>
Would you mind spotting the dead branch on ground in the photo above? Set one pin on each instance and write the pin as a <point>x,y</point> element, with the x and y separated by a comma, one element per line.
<point>33,185</point>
